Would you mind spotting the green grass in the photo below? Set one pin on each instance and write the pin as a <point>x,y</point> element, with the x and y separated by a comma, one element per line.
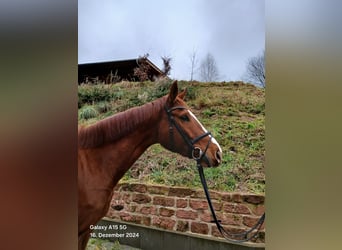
<point>87,112</point>
<point>100,244</point>
<point>233,111</point>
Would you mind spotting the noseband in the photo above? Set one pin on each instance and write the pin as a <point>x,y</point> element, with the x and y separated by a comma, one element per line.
<point>195,153</point>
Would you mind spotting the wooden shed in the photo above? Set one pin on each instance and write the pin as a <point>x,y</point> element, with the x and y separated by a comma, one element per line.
<point>114,71</point>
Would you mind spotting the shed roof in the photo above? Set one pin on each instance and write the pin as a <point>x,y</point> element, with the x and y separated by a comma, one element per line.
<point>123,68</point>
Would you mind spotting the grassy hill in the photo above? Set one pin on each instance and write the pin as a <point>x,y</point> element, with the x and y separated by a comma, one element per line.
<point>233,111</point>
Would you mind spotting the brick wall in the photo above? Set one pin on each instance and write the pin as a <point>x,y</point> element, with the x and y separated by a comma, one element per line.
<point>184,209</point>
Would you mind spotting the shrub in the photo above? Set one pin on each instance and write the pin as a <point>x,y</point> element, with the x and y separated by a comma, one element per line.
<point>191,92</point>
<point>208,112</point>
<point>87,112</point>
<point>117,94</point>
<point>162,88</point>
<point>91,94</point>
<point>103,107</point>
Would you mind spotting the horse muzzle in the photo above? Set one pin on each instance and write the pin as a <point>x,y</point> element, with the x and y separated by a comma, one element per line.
<point>206,160</point>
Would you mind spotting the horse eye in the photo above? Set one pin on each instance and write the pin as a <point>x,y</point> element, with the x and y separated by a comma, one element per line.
<point>184,118</point>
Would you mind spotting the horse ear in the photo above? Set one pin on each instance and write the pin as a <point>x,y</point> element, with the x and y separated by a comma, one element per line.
<point>182,94</point>
<point>173,93</point>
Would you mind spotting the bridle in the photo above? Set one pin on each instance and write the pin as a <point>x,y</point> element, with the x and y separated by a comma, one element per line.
<point>194,152</point>
<point>197,154</point>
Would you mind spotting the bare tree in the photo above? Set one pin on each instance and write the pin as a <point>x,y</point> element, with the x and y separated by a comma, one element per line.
<point>208,69</point>
<point>255,71</point>
<point>193,60</point>
<point>167,65</point>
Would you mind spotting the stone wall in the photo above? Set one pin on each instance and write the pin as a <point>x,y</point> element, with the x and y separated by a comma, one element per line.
<point>184,209</point>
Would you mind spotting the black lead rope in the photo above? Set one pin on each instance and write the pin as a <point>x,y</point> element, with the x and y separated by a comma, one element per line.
<point>244,237</point>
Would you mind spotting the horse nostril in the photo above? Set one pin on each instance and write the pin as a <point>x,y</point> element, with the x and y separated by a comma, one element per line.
<point>218,156</point>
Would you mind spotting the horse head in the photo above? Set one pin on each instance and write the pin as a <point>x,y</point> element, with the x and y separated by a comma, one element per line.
<point>181,132</point>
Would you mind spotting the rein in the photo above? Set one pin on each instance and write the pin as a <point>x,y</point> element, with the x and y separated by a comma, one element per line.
<point>197,154</point>
<point>242,237</point>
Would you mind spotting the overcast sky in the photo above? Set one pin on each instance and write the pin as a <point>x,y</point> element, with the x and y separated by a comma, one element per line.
<point>231,30</point>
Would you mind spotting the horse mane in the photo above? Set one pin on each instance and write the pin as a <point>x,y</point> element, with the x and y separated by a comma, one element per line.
<point>116,126</point>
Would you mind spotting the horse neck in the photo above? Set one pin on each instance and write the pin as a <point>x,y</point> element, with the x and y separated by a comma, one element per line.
<point>117,156</point>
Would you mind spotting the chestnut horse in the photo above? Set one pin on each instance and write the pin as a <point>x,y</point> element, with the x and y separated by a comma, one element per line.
<point>108,148</point>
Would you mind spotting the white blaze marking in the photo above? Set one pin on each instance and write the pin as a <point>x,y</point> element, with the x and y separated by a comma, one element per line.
<point>205,131</point>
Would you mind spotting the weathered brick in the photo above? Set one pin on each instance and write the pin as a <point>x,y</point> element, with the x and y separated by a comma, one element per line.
<point>186,214</point>
<point>148,210</point>
<point>132,208</point>
<point>231,219</point>
<point>236,208</point>
<point>214,195</point>
<point>126,197</point>
<point>236,197</point>
<point>258,209</point>
<point>227,197</point>
<point>162,222</point>
<point>155,189</point>
<point>140,188</point>
<point>145,210</point>
<point>254,199</point>
<point>182,226</point>
<point>233,230</point>
<point>226,219</point>
<point>215,232</point>
<point>130,218</point>
<point>242,209</point>
<point>198,204</point>
<point>203,205</point>
<point>141,198</point>
<point>145,220</point>
<point>207,217</point>
<point>123,214</point>
<point>136,219</point>
<point>113,214</point>
<point>164,201</point>
<point>198,194</point>
<point>166,212</point>
<point>125,187</point>
<point>217,205</point>
<point>180,192</point>
<point>228,207</point>
<point>200,228</point>
<point>251,221</point>
<point>181,203</point>
<point>116,195</point>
